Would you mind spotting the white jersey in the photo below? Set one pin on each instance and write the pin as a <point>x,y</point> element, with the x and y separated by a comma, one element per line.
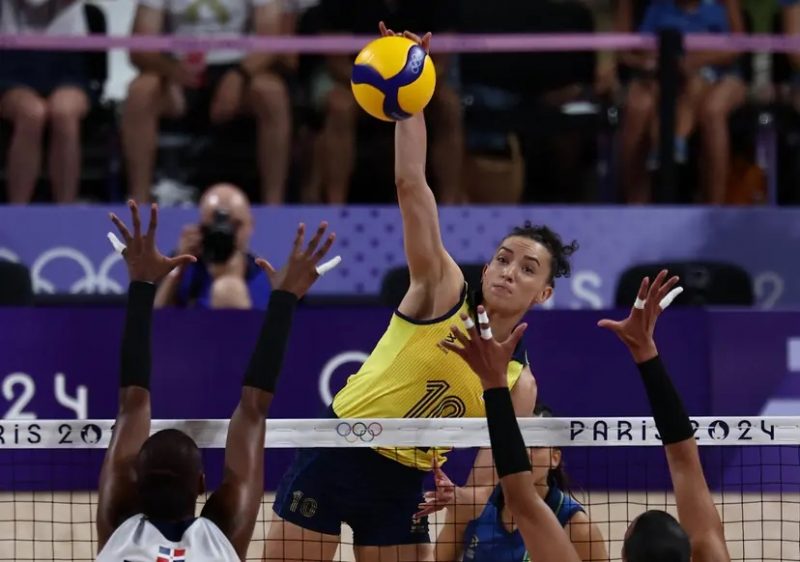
<point>138,540</point>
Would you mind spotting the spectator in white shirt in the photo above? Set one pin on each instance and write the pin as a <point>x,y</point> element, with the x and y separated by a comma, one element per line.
<point>209,87</point>
<point>40,88</point>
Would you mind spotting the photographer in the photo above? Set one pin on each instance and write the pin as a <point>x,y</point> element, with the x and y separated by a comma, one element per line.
<point>225,274</point>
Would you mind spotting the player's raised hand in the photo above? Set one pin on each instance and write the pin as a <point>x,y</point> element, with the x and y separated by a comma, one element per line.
<point>443,496</point>
<point>485,355</point>
<point>636,331</point>
<point>145,262</point>
<point>424,41</point>
<point>303,267</point>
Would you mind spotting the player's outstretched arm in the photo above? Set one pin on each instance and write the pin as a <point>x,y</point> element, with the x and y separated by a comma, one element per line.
<point>436,280</point>
<point>146,266</point>
<point>234,506</point>
<point>489,358</point>
<point>696,510</point>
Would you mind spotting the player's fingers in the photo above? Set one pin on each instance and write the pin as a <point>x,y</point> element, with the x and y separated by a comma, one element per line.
<point>151,228</point>
<point>319,254</point>
<point>515,336</point>
<point>177,261</point>
<point>314,242</point>
<point>483,323</point>
<point>426,42</point>
<point>413,36</point>
<point>123,230</point>
<point>607,324</point>
<point>651,308</point>
<point>460,336</point>
<point>266,266</point>
<point>297,246</point>
<point>669,297</point>
<point>457,349</point>
<point>469,324</point>
<point>137,221</point>
<point>667,287</point>
<point>385,32</point>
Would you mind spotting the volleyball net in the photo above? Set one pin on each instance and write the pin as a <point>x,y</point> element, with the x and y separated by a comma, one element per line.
<point>616,469</point>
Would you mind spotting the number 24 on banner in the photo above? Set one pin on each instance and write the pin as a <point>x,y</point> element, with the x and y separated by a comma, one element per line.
<point>20,388</point>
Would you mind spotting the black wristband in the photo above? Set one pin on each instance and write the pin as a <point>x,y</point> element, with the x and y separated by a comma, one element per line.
<point>135,360</point>
<point>267,359</point>
<point>508,447</point>
<point>669,413</point>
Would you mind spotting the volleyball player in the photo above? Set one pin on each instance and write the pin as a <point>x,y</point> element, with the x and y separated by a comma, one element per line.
<point>482,528</point>
<point>408,375</point>
<point>698,535</point>
<point>149,485</point>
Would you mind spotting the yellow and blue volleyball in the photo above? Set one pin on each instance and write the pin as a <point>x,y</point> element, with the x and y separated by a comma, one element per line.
<point>393,78</point>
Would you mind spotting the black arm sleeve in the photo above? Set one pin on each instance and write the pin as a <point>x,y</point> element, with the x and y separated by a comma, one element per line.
<point>135,354</point>
<point>508,447</point>
<point>669,413</point>
<point>267,359</point>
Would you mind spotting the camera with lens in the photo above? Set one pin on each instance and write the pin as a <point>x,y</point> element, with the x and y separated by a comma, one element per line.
<point>219,238</point>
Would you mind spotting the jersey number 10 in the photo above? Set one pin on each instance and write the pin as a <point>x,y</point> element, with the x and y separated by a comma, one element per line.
<point>435,404</point>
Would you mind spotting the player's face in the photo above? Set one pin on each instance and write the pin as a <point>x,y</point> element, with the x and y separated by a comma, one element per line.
<point>517,277</point>
<point>543,459</point>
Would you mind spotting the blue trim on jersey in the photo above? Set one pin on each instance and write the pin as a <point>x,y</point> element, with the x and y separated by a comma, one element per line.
<point>486,539</point>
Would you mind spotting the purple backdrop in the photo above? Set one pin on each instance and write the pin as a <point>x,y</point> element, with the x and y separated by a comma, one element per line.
<point>68,252</point>
<point>724,363</point>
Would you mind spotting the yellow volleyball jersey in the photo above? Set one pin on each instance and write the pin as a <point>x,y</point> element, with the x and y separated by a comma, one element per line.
<point>408,375</point>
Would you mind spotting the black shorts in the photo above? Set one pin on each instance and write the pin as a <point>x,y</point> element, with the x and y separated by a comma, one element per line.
<point>376,496</point>
<point>198,100</point>
<point>43,71</point>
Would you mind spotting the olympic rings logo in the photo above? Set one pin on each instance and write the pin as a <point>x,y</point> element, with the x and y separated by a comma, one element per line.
<point>359,431</point>
<point>91,281</point>
<point>417,58</point>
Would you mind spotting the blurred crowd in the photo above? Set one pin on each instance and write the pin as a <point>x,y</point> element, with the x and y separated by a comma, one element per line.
<point>567,127</point>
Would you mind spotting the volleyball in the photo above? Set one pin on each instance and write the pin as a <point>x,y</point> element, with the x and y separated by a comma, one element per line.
<point>393,78</point>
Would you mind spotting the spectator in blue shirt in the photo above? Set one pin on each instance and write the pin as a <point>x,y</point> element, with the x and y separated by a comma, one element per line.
<point>711,89</point>
<point>225,274</point>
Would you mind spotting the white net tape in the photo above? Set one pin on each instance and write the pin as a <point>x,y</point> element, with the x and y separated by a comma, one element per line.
<point>464,432</point>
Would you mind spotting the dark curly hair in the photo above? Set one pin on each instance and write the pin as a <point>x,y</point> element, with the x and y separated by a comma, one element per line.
<point>559,251</point>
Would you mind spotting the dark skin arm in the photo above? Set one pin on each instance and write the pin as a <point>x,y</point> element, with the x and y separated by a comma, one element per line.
<point>696,510</point>
<point>541,531</point>
<point>234,506</point>
<point>117,489</point>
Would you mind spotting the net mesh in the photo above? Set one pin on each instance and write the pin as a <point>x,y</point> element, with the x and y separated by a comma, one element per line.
<point>49,472</point>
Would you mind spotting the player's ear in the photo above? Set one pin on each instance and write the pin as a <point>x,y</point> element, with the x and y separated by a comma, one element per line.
<point>555,457</point>
<point>542,296</point>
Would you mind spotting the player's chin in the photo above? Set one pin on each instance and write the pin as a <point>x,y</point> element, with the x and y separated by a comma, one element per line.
<point>502,301</point>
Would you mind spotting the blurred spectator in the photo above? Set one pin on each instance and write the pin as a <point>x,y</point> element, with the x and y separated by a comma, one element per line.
<point>40,88</point>
<point>212,87</point>
<point>711,89</point>
<point>332,96</point>
<point>522,96</point>
<point>225,274</point>
<point>791,26</point>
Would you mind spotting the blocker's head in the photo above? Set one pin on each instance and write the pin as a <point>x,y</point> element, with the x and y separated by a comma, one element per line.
<point>656,536</point>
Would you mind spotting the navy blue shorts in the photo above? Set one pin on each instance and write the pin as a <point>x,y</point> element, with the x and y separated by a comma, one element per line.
<point>377,497</point>
<point>43,71</point>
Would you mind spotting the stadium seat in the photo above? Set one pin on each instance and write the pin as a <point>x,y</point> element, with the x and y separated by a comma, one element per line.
<point>705,283</point>
<point>15,285</point>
